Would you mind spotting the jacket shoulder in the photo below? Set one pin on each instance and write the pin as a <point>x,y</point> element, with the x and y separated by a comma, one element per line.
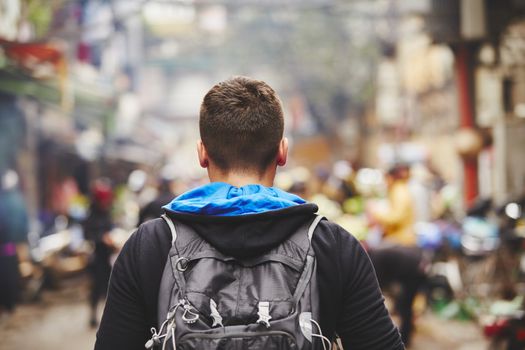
<point>155,227</point>
<point>330,232</point>
<point>150,241</point>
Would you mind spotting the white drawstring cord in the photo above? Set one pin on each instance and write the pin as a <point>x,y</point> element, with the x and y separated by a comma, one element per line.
<point>173,338</point>
<point>166,336</point>
<point>169,326</point>
<point>320,335</point>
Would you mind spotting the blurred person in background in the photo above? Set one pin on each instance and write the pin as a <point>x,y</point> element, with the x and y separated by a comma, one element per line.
<point>403,266</point>
<point>97,227</point>
<point>397,221</point>
<point>13,230</point>
<point>153,209</point>
<point>398,260</point>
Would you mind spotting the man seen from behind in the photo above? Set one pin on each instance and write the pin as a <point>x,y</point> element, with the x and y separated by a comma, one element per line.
<point>242,216</point>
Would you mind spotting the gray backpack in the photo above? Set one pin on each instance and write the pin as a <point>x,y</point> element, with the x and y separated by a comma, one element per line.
<point>208,300</point>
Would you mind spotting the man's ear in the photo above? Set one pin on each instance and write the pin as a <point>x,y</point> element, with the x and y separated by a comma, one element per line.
<point>203,154</point>
<point>282,154</point>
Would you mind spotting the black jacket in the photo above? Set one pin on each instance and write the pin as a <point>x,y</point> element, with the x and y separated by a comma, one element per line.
<point>351,302</point>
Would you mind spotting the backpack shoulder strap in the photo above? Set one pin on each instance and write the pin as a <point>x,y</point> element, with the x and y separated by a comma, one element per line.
<point>313,226</point>
<point>310,264</point>
<point>171,227</point>
<point>181,235</point>
<point>303,236</point>
<point>185,243</point>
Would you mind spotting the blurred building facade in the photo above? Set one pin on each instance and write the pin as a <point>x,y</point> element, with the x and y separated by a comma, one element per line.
<point>489,96</point>
<point>449,91</point>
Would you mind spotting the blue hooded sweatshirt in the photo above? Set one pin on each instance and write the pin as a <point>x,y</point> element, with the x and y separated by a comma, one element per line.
<point>222,199</point>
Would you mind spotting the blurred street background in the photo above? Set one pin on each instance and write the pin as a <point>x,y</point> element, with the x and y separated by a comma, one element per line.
<point>99,105</point>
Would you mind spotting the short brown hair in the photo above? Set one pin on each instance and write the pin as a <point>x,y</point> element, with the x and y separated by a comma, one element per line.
<point>241,124</point>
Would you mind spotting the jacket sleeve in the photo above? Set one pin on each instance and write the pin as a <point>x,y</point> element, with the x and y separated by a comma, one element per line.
<point>124,323</point>
<point>363,321</point>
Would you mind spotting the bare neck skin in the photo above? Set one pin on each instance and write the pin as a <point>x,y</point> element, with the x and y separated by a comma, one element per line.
<point>240,178</point>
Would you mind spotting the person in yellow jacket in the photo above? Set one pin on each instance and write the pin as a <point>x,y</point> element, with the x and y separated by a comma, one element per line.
<point>398,221</point>
<point>398,260</point>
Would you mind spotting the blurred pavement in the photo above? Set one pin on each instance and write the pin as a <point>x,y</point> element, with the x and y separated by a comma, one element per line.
<point>59,321</point>
<point>434,333</point>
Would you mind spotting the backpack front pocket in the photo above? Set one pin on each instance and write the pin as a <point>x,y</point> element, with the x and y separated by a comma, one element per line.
<point>270,340</point>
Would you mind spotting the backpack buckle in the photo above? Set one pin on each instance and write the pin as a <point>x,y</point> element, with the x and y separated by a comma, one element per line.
<point>217,318</point>
<point>188,316</point>
<point>264,313</point>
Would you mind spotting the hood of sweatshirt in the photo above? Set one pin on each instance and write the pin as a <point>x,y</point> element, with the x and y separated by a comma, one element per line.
<point>241,221</point>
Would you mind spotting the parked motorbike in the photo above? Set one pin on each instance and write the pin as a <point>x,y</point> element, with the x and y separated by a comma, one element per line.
<point>512,228</point>
<point>480,243</point>
<point>505,327</point>
<point>440,241</point>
